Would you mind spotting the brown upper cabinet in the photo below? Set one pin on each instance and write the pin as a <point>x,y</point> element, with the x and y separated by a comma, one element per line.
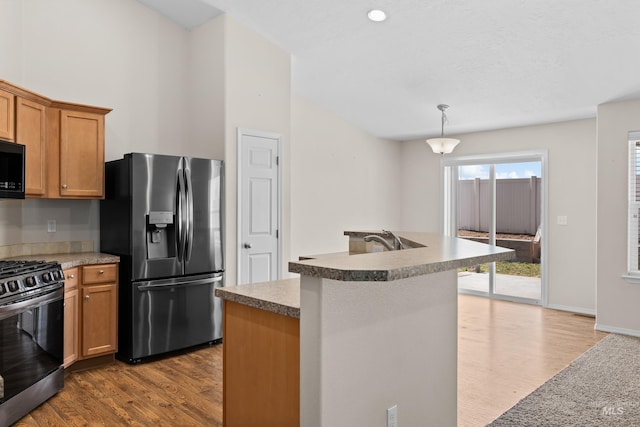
<point>76,146</point>
<point>7,113</point>
<point>64,143</point>
<point>30,131</point>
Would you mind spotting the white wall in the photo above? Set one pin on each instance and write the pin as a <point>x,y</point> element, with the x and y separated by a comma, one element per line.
<point>179,92</point>
<point>206,90</point>
<point>420,189</point>
<point>117,54</point>
<point>10,40</point>
<point>618,301</point>
<point>572,178</point>
<point>258,96</point>
<point>341,179</point>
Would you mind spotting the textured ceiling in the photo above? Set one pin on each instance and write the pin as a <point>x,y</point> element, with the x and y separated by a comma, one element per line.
<point>186,13</point>
<point>498,63</point>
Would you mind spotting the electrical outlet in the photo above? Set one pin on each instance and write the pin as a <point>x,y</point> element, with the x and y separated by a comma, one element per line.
<point>51,226</point>
<point>562,220</point>
<point>392,416</point>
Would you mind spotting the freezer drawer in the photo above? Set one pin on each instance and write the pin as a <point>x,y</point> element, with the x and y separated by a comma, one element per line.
<point>173,314</point>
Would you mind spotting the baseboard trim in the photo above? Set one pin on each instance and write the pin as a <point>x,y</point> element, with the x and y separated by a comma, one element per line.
<point>580,310</point>
<point>616,330</point>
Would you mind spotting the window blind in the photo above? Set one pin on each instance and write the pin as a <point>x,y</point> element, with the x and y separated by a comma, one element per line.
<point>634,203</point>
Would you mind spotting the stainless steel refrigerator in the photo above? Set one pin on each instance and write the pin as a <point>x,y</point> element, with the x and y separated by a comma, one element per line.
<point>163,216</point>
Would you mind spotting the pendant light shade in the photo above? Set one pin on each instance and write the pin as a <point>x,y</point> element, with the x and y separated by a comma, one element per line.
<point>443,145</point>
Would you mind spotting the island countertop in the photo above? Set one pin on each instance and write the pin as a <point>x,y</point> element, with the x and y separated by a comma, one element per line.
<point>439,253</point>
<point>427,253</point>
<point>279,296</point>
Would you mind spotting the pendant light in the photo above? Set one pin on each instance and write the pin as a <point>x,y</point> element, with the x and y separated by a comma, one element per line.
<point>443,145</point>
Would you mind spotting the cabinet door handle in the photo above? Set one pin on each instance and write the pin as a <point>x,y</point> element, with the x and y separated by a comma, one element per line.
<point>247,245</point>
<point>86,297</point>
<point>64,186</point>
<point>71,276</point>
<point>101,272</point>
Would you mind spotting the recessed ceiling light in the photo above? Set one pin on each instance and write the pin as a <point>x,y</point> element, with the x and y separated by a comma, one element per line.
<point>377,15</point>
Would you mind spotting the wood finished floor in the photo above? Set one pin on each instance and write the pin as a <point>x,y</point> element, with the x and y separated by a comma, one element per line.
<point>506,351</point>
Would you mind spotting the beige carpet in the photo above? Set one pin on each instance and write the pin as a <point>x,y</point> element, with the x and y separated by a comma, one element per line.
<point>600,388</point>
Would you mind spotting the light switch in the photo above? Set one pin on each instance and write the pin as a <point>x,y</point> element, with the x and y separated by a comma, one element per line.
<point>562,220</point>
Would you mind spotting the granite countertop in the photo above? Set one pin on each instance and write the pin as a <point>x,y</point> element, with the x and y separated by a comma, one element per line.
<point>279,296</point>
<point>70,260</point>
<point>433,253</point>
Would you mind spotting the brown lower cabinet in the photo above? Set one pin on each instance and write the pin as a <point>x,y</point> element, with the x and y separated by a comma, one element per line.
<point>71,322</point>
<point>91,314</point>
<point>261,368</point>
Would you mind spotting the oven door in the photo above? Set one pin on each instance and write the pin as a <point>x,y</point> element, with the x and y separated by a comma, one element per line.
<point>31,343</point>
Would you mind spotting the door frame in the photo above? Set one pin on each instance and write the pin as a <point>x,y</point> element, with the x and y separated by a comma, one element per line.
<point>448,201</point>
<point>241,132</point>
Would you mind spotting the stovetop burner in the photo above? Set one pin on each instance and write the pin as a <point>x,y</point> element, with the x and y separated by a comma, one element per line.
<point>10,268</point>
<point>20,279</point>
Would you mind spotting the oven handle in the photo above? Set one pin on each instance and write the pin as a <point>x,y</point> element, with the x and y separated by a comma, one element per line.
<point>15,308</point>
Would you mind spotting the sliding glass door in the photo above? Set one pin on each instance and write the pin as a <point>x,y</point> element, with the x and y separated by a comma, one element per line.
<point>475,198</point>
<point>498,200</point>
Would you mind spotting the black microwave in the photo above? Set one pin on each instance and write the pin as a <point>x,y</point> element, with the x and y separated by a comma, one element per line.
<point>11,170</point>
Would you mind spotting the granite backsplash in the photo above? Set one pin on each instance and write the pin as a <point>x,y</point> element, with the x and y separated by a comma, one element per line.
<point>45,248</point>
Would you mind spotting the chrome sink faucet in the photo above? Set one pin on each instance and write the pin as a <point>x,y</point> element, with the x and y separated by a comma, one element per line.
<point>397,242</point>
<point>381,240</point>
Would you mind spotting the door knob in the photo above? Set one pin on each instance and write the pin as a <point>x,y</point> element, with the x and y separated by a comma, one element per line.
<point>247,245</point>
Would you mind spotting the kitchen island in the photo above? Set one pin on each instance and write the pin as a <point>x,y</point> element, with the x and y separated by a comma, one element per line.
<point>377,329</point>
<point>261,354</point>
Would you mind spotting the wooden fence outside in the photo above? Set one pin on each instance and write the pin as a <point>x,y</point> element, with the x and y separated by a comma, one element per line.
<point>517,205</point>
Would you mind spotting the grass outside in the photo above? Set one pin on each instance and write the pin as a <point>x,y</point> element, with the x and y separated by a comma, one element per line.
<point>507,267</point>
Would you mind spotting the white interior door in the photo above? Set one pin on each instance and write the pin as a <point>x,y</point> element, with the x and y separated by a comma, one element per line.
<point>258,206</point>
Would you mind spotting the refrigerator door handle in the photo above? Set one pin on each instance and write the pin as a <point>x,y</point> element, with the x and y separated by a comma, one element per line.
<point>180,202</point>
<point>188,244</point>
<point>150,286</point>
